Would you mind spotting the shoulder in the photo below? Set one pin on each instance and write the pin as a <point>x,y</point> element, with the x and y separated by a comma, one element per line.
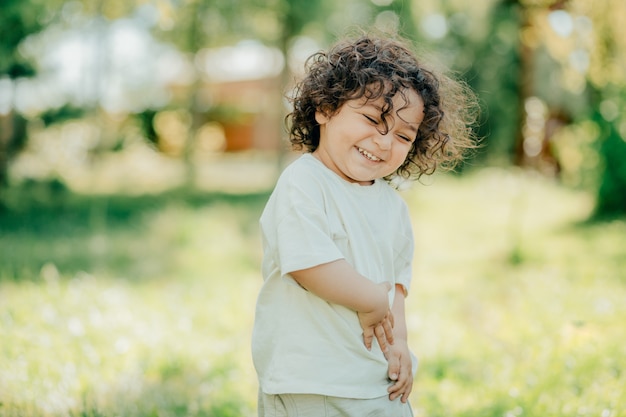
<point>305,165</point>
<point>300,183</point>
<point>304,173</point>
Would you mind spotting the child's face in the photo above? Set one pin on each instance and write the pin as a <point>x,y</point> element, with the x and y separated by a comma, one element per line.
<point>352,145</point>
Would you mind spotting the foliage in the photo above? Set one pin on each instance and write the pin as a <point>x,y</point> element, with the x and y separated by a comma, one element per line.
<point>567,54</point>
<point>62,114</point>
<point>588,45</point>
<point>612,189</point>
<point>143,305</point>
<point>18,20</point>
<point>146,122</point>
<point>493,70</point>
<point>607,78</point>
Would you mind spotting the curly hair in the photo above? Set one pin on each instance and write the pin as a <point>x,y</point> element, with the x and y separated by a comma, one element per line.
<point>373,67</point>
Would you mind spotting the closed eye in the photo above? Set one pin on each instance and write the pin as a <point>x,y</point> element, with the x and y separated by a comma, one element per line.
<point>371,119</point>
<point>405,138</point>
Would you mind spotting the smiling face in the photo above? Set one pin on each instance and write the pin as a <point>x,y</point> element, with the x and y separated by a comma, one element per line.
<point>355,144</point>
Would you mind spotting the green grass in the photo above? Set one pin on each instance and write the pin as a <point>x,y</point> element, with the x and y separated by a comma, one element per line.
<point>143,305</point>
<point>518,305</point>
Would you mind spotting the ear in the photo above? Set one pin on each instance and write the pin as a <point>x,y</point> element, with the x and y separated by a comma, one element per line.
<point>321,118</point>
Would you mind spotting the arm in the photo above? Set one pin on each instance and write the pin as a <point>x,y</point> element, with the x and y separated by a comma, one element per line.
<point>398,356</point>
<point>338,282</point>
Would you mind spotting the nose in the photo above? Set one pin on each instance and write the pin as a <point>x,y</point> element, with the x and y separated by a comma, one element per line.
<point>383,140</point>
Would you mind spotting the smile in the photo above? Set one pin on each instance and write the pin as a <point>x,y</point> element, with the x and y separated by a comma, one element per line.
<point>368,155</point>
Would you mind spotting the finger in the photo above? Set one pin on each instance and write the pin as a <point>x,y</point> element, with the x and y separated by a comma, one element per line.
<point>393,369</point>
<point>392,320</point>
<point>406,390</point>
<point>400,389</point>
<point>381,336</point>
<point>396,390</point>
<point>368,336</point>
<point>388,329</point>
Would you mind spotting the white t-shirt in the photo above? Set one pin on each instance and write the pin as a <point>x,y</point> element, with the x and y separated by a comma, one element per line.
<point>301,343</point>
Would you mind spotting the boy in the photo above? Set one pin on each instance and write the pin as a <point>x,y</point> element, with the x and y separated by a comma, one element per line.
<point>330,337</point>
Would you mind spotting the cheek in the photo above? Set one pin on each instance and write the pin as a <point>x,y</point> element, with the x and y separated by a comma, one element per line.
<point>403,151</point>
<point>400,157</point>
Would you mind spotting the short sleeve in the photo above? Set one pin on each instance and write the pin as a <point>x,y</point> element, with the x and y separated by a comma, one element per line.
<point>301,236</point>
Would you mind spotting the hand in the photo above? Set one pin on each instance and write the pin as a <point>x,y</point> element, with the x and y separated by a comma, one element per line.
<point>400,370</point>
<point>378,321</point>
<point>383,330</point>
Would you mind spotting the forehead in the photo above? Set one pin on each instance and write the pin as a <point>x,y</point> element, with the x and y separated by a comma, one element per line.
<point>408,105</point>
<point>403,99</point>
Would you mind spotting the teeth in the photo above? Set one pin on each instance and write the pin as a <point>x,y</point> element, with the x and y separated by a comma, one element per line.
<point>368,155</point>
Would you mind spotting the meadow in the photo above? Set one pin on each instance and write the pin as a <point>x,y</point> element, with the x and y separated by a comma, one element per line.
<point>142,305</point>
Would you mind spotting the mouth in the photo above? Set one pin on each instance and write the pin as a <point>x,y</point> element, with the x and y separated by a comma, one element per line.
<point>368,155</point>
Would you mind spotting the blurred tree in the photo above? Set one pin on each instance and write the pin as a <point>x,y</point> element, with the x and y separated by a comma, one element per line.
<point>607,80</point>
<point>202,24</point>
<point>18,20</point>
<point>195,40</point>
<point>294,15</point>
<point>611,195</point>
<point>588,41</point>
<point>565,61</point>
<point>479,41</point>
<point>494,61</point>
<point>507,50</point>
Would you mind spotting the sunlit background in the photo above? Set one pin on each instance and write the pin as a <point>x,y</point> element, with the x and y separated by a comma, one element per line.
<point>139,141</point>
